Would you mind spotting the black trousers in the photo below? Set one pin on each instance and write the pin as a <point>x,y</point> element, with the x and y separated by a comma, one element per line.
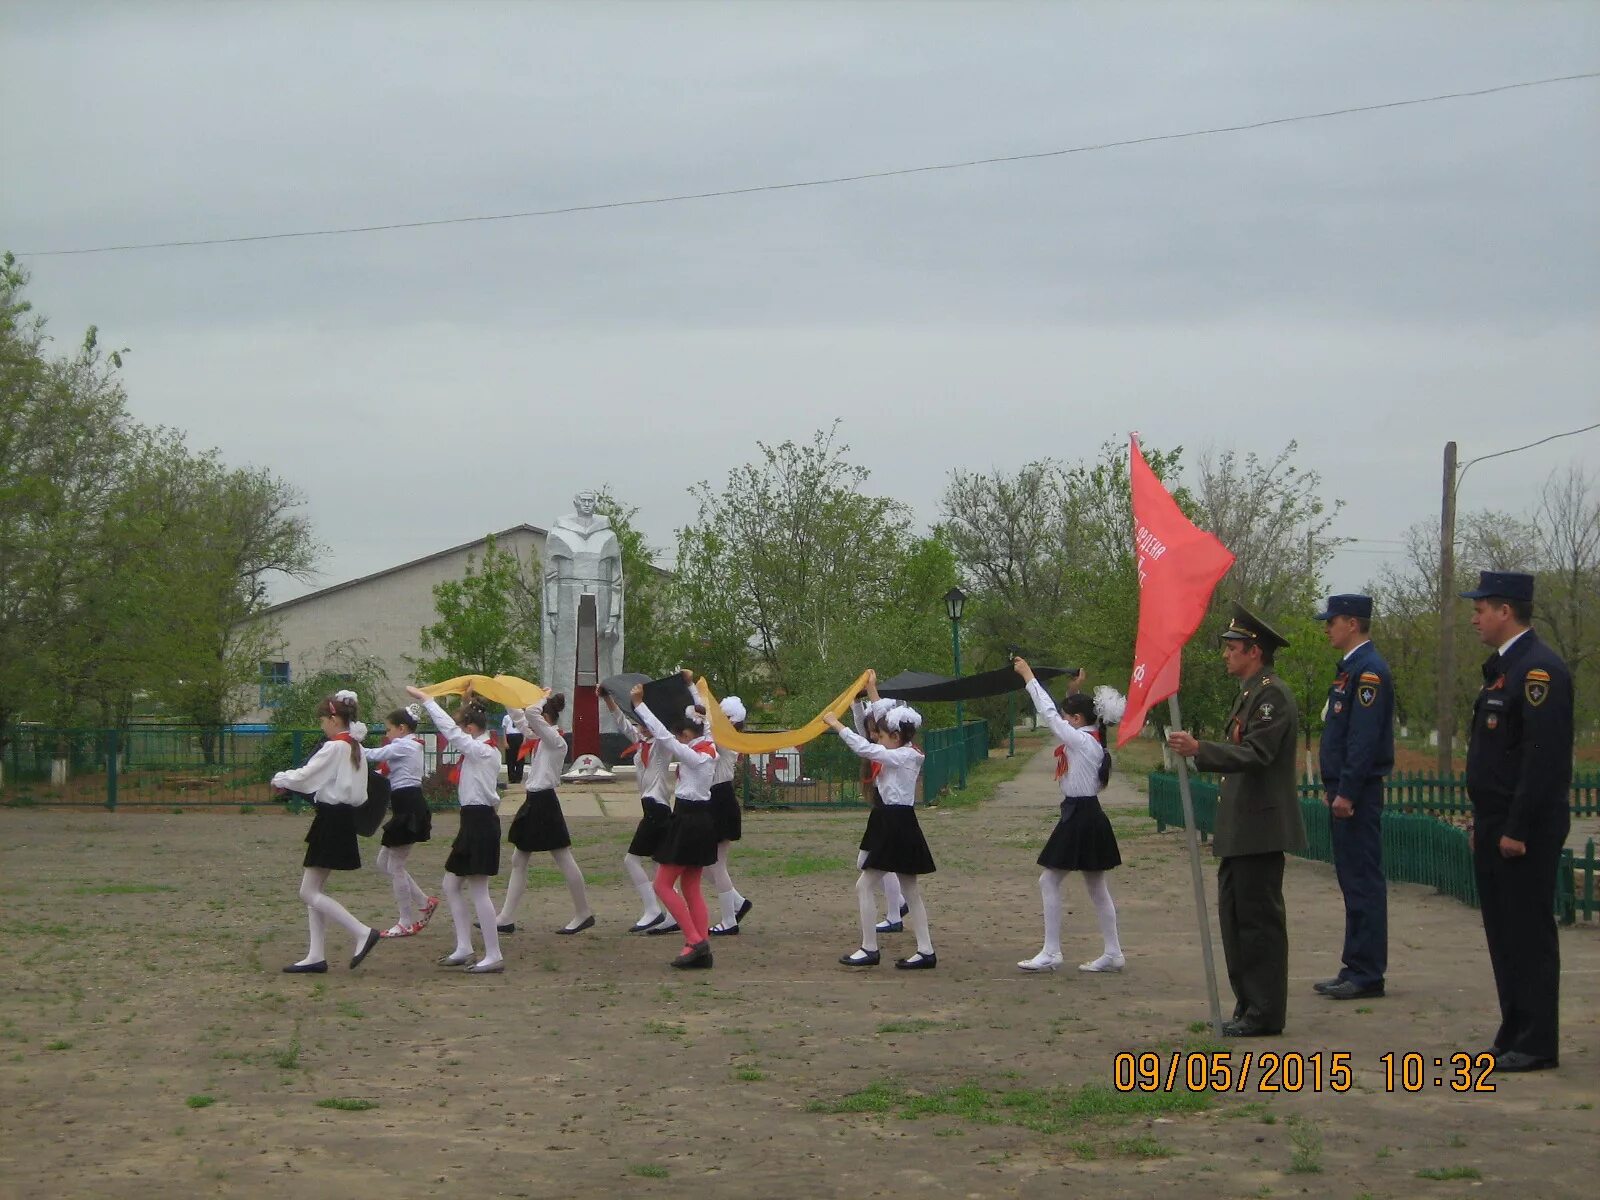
<point>1518,900</point>
<point>514,765</point>
<point>1255,936</point>
<point>1358,865</point>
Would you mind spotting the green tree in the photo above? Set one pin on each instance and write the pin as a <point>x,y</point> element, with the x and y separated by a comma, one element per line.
<point>488,620</point>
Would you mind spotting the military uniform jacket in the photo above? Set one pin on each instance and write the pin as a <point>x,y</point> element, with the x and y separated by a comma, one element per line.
<point>1358,734</point>
<point>1259,811</point>
<point>1519,757</point>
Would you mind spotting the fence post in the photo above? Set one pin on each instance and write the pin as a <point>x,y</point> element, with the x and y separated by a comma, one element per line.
<point>112,753</point>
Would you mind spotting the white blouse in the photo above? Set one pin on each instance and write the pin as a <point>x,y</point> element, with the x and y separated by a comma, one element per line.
<point>546,762</point>
<point>695,767</point>
<point>1084,750</point>
<point>651,771</point>
<point>480,762</point>
<point>727,764</point>
<point>330,774</point>
<point>404,756</point>
<point>897,781</point>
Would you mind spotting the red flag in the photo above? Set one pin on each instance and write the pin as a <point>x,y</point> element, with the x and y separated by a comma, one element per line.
<point>1179,567</point>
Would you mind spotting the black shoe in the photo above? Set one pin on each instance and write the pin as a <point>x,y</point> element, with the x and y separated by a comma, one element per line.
<point>646,926</point>
<point>905,910</point>
<point>661,930</point>
<point>891,927</point>
<point>1327,985</point>
<point>373,938</point>
<point>917,962</point>
<point>724,931</point>
<point>1351,990</point>
<point>744,910</point>
<point>697,955</point>
<point>871,960</point>
<point>316,968</point>
<point>1244,1027</point>
<point>1515,1061</point>
<point>586,923</point>
<point>509,927</point>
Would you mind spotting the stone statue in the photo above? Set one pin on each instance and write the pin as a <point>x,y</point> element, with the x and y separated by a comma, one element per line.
<point>582,641</point>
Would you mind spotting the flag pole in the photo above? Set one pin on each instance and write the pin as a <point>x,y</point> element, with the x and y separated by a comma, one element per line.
<point>1201,913</point>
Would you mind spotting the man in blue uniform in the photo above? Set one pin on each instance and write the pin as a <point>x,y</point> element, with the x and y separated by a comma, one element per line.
<point>1519,771</point>
<point>1357,752</point>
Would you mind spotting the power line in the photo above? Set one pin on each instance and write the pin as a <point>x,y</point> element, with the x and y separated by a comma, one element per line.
<point>811,183</point>
<point>1517,449</point>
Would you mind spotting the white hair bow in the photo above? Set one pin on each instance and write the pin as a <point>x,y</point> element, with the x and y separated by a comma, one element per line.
<point>1109,704</point>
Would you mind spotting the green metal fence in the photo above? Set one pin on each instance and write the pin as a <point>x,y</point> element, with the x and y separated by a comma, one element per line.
<point>1417,848</point>
<point>1446,796</point>
<point>824,774</point>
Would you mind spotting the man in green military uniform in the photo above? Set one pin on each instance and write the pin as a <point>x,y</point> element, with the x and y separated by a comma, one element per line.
<point>1258,820</point>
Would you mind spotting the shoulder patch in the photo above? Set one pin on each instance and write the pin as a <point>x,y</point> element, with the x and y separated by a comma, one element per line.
<point>1371,677</point>
<point>1540,675</point>
<point>1536,691</point>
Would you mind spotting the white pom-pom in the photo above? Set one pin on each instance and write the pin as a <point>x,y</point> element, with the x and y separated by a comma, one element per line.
<point>346,695</point>
<point>358,730</point>
<point>901,715</point>
<point>878,709</point>
<point>1109,704</point>
<point>733,708</point>
<point>415,710</point>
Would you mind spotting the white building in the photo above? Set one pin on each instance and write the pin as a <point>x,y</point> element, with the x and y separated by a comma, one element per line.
<point>379,615</point>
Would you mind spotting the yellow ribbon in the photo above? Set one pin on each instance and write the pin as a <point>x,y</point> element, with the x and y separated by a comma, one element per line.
<point>724,734</point>
<point>502,689</point>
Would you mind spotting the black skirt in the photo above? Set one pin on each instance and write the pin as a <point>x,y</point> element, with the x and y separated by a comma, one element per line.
<point>539,824</point>
<point>411,822</point>
<point>691,838</point>
<point>331,840</point>
<point>894,842</point>
<point>1082,840</point>
<point>652,829</point>
<point>725,812</point>
<point>476,850</point>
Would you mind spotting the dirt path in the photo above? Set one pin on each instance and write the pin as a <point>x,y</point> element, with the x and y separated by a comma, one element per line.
<point>139,960</point>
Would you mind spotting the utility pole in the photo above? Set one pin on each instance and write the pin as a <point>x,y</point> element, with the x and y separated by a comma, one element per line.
<point>1445,698</point>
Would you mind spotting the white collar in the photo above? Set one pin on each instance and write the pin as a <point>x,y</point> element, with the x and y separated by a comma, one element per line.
<point>1351,652</point>
<point>1507,645</point>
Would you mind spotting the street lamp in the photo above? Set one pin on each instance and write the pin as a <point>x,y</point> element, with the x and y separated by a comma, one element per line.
<point>954,601</point>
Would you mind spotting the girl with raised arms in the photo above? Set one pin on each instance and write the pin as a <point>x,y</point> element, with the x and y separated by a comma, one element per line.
<point>400,758</point>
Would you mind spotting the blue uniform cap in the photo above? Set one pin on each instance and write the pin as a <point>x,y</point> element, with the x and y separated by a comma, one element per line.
<point>1501,585</point>
<point>1347,605</point>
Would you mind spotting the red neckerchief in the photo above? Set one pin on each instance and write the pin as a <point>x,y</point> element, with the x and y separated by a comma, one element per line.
<point>455,769</point>
<point>1061,754</point>
<point>705,746</point>
<point>529,747</point>
<point>875,768</point>
<point>642,749</point>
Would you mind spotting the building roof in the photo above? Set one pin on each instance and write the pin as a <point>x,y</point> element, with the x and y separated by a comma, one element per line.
<point>415,562</point>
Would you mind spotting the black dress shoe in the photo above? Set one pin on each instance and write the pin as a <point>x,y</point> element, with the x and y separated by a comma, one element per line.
<point>646,926</point>
<point>744,910</point>
<point>509,927</point>
<point>917,962</point>
<point>586,923</point>
<point>373,938</point>
<point>905,910</point>
<point>1244,1028</point>
<point>871,959</point>
<point>891,927</point>
<point>661,930</point>
<point>1515,1061</point>
<point>696,956</point>
<point>1327,985</point>
<point>316,968</point>
<point>1351,990</point>
<point>724,931</point>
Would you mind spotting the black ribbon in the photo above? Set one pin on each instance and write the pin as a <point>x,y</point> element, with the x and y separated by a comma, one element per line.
<point>925,688</point>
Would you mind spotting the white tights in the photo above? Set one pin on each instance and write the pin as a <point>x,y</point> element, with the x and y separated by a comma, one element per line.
<point>643,884</point>
<point>478,888</point>
<point>391,861</point>
<point>319,907</point>
<point>867,886</point>
<point>519,884</point>
<point>729,899</point>
<point>893,895</point>
<point>1105,911</point>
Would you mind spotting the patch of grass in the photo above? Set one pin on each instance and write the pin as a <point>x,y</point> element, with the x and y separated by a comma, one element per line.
<point>288,1059</point>
<point>343,1104</point>
<point>750,1074</point>
<point>122,889</point>
<point>1450,1173</point>
<point>59,1045</point>
<point>1044,1110</point>
<point>1456,1141</point>
<point>1364,1011</point>
<point>648,1170</point>
<point>989,773</point>
<point>667,1029</point>
<point>1307,1141</point>
<point>914,1025</point>
<point>1143,1146</point>
<point>1199,1026</point>
<point>349,1009</point>
<point>1086,1151</point>
<point>25,800</point>
<point>246,809</point>
<point>200,1101</point>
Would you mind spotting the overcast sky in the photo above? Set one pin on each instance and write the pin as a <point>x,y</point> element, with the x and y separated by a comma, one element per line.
<point>1371,285</point>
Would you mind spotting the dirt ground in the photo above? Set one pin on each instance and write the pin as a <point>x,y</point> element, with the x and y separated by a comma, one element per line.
<point>149,1045</point>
